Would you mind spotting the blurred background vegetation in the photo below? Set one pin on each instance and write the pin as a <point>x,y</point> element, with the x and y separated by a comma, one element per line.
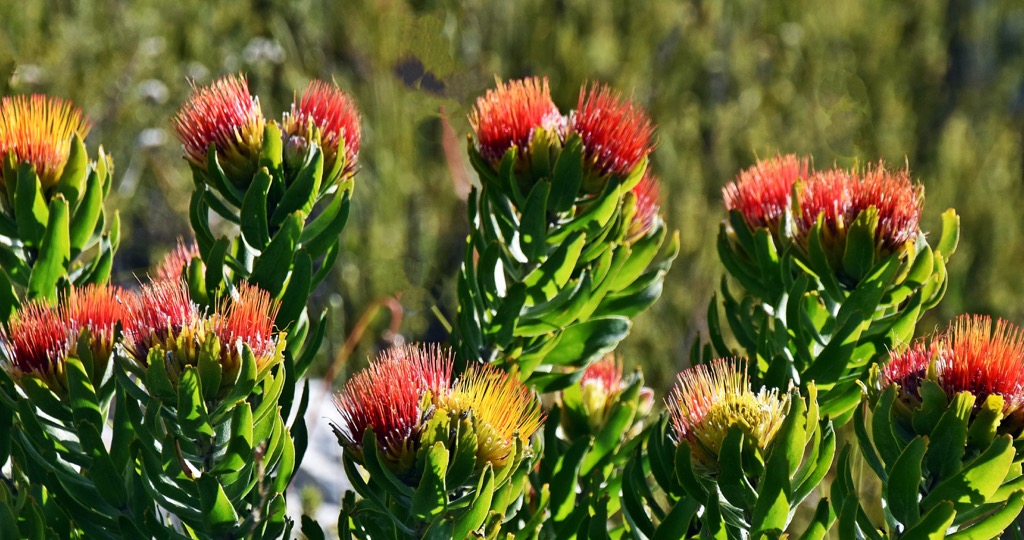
<point>936,86</point>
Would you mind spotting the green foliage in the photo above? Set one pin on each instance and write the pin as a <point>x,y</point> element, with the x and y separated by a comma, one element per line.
<point>58,238</point>
<point>947,471</point>
<point>550,281</point>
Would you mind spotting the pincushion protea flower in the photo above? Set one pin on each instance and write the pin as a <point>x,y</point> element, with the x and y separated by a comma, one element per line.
<point>601,381</point>
<point>709,399</point>
<point>392,397</point>
<point>971,355</point>
<point>158,315</point>
<point>503,407</point>
<point>616,133</point>
<point>35,343</point>
<point>507,116</point>
<point>899,202</point>
<point>336,119</point>
<point>39,338</point>
<point>248,319</point>
<point>101,310</point>
<point>176,261</point>
<point>648,203</point>
<point>39,130</point>
<point>839,197</point>
<point>763,192</point>
<point>226,116</point>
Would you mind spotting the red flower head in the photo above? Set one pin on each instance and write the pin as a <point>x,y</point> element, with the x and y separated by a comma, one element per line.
<point>840,197</point>
<point>763,192</point>
<point>391,397</point>
<point>828,194</point>
<point>39,130</point>
<point>336,119</point>
<point>648,203</point>
<point>507,116</point>
<point>908,368</point>
<point>605,374</point>
<point>709,399</point>
<point>157,316</point>
<point>899,203</point>
<point>35,343</point>
<point>98,309</point>
<point>248,319</point>
<point>176,262</point>
<point>616,133</point>
<point>226,116</point>
<point>503,409</point>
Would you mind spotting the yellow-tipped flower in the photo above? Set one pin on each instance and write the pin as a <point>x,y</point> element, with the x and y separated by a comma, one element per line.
<point>38,130</point>
<point>503,409</point>
<point>708,400</point>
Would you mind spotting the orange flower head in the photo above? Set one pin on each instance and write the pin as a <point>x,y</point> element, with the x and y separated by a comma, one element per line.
<point>100,309</point>
<point>176,262</point>
<point>710,399</point>
<point>39,130</point>
<point>763,192</point>
<point>248,319</point>
<point>616,133</point>
<point>507,116</point>
<point>503,409</point>
<point>35,343</point>
<point>227,117</point>
<point>975,356</point>
<point>334,114</point>
<point>648,203</point>
<point>392,397</point>
<point>158,315</point>
<point>899,203</point>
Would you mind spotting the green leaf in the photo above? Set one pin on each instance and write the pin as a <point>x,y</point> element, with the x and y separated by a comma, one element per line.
<point>192,415</point>
<point>296,294</point>
<point>30,210</point>
<point>475,515</point>
<point>944,460</point>
<point>213,279</point>
<point>564,479</point>
<point>311,529</point>
<point>902,492</point>
<point>859,257</point>
<point>54,253</point>
<point>995,523</point>
<point>546,280</point>
<point>272,152</point>
<point>73,177</point>
<point>302,193</point>
<point>271,268</point>
<point>218,513</point>
<point>581,343</point>
<point>950,236</point>
<point>254,226</point>
<point>86,215</point>
<point>567,176</point>
<point>534,223</point>
<point>198,216</point>
<point>771,511</point>
<point>978,480</point>
<point>323,231</point>
<point>933,525</point>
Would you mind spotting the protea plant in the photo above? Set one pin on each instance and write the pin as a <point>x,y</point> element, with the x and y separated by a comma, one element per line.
<point>444,459</point>
<point>212,374</point>
<point>564,232</point>
<point>832,271</point>
<point>943,436</point>
<point>51,202</point>
<point>735,461</point>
